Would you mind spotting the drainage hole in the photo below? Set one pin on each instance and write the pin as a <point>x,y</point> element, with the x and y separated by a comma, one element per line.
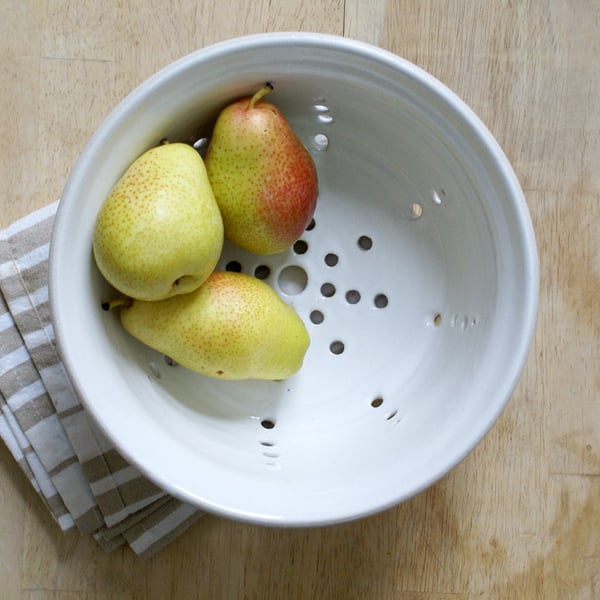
<point>320,142</point>
<point>262,272</point>
<point>293,280</point>
<point>381,301</point>
<point>271,454</point>
<point>267,443</point>
<point>267,423</point>
<point>311,225</point>
<point>170,361</point>
<point>234,266</point>
<point>331,259</point>
<point>200,143</point>
<point>377,402</point>
<point>317,317</point>
<point>437,320</point>
<point>353,296</point>
<point>325,118</point>
<point>328,290</point>
<point>365,242</point>
<point>300,247</point>
<point>336,347</point>
<point>391,415</point>
<point>416,210</point>
<point>438,196</point>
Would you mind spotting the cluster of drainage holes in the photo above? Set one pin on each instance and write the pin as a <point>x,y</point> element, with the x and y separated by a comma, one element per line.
<point>260,272</point>
<point>268,446</point>
<point>328,289</point>
<point>293,280</point>
<point>155,371</point>
<point>320,141</point>
<point>378,402</point>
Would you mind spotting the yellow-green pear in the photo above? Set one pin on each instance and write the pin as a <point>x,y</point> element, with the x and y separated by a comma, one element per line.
<point>233,326</point>
<point>159,232</point>
<point>264,179</point>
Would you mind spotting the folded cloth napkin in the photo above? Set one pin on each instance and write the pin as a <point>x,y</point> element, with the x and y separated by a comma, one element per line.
<point>82,479</point>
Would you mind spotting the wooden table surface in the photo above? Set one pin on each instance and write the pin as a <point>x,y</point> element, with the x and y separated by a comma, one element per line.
<point>520,516</point>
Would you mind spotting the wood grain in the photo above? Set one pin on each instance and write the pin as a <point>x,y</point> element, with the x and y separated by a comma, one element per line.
<point>519,518</point>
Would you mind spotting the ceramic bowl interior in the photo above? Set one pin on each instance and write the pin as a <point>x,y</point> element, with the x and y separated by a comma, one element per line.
<point>417,281</point>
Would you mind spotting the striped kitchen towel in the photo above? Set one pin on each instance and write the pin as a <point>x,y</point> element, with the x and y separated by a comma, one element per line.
<point>82,479</point>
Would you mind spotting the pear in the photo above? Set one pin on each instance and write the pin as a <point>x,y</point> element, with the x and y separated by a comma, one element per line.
<point>159,232</point>
<point>263,178</point>
<point>233,326</point>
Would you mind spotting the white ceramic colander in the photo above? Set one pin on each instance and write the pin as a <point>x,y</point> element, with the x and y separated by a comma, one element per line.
<point>417,281</point>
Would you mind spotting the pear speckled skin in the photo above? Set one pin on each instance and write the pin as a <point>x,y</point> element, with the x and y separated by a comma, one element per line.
<point>232,327</point>
<point>159,232</point>
<point>263,178</point>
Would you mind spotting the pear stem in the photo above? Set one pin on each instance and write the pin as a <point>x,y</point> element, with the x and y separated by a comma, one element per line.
<point>268,87</point>
<point>115,303</point>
